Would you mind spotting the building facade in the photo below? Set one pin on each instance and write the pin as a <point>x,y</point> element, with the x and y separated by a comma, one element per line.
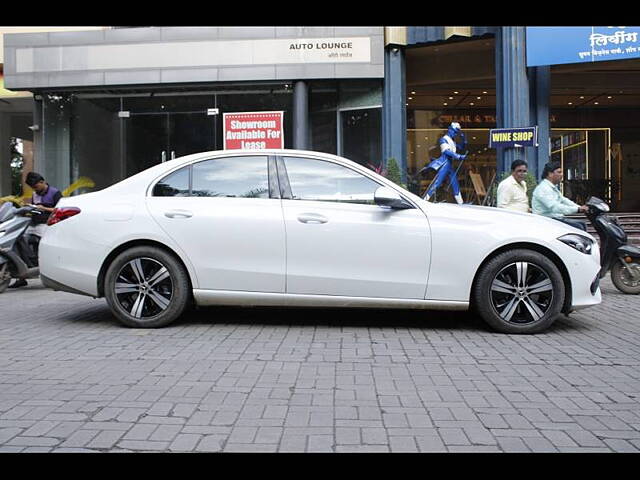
<point>109,103</point>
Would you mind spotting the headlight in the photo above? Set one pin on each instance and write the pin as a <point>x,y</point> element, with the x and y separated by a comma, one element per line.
<point>580,243</point>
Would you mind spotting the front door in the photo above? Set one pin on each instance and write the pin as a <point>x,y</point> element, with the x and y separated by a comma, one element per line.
<point>340,243</point>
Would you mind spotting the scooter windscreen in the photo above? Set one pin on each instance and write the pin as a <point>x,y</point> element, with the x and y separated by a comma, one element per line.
<point>598,204</point>
<point>6,211</point>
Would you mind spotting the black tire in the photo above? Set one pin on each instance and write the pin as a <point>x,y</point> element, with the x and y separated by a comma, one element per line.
<point>519,291</point>
<point>152,302</point>
<point>5,277</point>
<point>622,280</point>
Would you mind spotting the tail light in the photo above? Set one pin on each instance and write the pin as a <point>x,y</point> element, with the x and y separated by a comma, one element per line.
<point>62,213</point>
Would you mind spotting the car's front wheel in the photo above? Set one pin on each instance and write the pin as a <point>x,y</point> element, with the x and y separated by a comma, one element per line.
<point>519,291</point>
<point>146,287</point>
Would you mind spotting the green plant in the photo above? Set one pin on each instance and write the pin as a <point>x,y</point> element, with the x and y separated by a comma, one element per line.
<point>393,172</point>
<point>17,162</point>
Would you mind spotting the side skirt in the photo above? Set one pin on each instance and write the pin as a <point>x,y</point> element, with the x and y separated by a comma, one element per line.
<point>227,297</point>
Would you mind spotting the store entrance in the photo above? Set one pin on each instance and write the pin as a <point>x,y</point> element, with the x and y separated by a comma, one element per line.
<point>158,128</point>
<point>156,137</point>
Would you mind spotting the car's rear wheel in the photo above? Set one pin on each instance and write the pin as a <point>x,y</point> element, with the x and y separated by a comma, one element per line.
<point>519,291</point>
<point>146,287</point>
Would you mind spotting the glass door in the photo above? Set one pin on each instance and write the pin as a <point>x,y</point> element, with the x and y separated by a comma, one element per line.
<point>191,132</point>
<point>585,157</point>
<point>146,141</point>
<point>359,135</point>
<point>160,128</point>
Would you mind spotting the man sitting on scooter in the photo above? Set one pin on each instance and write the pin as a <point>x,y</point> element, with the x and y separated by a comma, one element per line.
<point>45,197</point>
<point>548,201</point>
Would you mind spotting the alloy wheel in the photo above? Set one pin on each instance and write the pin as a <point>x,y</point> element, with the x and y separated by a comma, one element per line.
<point>631,279</point>
<point>144,287</point>
<point>521,293</point>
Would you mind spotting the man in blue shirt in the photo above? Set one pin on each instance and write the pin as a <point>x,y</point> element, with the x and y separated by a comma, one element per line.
<point>548,201</point>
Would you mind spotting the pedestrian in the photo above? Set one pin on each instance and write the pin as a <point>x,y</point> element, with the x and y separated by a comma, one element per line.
<point>512,191</point>
<point>45,197</point>
<point>548,201</point>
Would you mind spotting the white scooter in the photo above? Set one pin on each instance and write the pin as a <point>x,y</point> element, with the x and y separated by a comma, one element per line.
<point>18,251</point>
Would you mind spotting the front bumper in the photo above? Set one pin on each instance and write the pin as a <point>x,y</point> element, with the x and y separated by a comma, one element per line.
<point>584,275</point>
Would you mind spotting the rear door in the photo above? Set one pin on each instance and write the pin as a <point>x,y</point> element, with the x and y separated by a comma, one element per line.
<point>226,216</point>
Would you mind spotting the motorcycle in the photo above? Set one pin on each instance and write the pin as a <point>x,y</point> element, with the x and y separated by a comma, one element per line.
<point>616,255</point>
<point>18,252</point>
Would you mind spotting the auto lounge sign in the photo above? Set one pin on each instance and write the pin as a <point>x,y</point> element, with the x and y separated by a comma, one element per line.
<point>253,130</point>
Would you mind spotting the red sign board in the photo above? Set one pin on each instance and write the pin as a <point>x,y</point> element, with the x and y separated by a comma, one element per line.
<point>253,130</point>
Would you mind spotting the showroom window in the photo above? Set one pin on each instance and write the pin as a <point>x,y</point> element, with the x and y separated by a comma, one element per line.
<point>325,181</point>
<point>244,177</point>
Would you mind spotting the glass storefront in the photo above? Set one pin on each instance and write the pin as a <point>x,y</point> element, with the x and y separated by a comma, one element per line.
<point>593,117</point>
<point>107,136</point>
<point>451,82</point>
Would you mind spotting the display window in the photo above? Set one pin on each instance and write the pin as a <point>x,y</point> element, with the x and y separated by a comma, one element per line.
<point>109,135</point>
<point>594,122</point>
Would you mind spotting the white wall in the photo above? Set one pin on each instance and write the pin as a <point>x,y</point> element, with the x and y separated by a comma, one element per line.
<point>4,30</point>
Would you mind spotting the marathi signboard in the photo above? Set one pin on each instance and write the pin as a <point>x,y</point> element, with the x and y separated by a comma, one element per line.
<point>253,130</point>
<point>559,45</point>
<point>513,137</point>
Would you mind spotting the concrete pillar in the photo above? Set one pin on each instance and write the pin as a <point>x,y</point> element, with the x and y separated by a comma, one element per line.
<point>512,92</point>
<point>394,110</point>
<point>5,156</point>
<point>540,78</point>
<point>300,116</point>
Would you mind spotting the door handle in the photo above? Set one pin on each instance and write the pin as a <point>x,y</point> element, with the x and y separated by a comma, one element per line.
<point>178,214</point>
<point>312,218</point>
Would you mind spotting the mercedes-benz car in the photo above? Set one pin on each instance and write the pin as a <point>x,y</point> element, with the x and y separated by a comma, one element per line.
<point>300,228</point>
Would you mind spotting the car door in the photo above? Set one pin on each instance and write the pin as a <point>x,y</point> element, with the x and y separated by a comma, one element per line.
<point>340,243</point>
<point>226,216</point>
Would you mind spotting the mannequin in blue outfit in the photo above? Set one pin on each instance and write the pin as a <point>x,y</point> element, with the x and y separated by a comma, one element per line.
<point>443,165</point>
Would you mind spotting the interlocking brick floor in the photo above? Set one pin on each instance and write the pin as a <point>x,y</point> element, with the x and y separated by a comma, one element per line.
<point>304,380</point>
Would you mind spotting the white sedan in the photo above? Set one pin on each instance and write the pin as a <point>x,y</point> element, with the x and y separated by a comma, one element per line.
<point>288,227</point>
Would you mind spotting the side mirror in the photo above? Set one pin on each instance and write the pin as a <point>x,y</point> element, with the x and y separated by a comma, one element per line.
<point>386,197</point>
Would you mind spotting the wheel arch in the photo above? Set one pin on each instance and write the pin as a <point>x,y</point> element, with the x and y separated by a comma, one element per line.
<point>566,306</point>
<point>130,244</point>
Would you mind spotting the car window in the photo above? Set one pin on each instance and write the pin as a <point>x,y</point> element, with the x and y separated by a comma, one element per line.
<point>244,177</point>
<point>312,179</point>
<point>175,184</point>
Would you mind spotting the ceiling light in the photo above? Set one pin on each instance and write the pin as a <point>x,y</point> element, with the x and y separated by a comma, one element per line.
<point>609,96</point>
<point>478,98</point>
<point>450,98</point>
<point>455,93</point>
<point>413,93</point>
<point>410,98</point>
<point>570,103</point>
<point>595,103</point>
<point>472,103</point>
<point>445,103</point>
<point>582,98</point>
<point>484,93</point>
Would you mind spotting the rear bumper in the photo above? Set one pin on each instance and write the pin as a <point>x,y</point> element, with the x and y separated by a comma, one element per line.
<point>57,286</point>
